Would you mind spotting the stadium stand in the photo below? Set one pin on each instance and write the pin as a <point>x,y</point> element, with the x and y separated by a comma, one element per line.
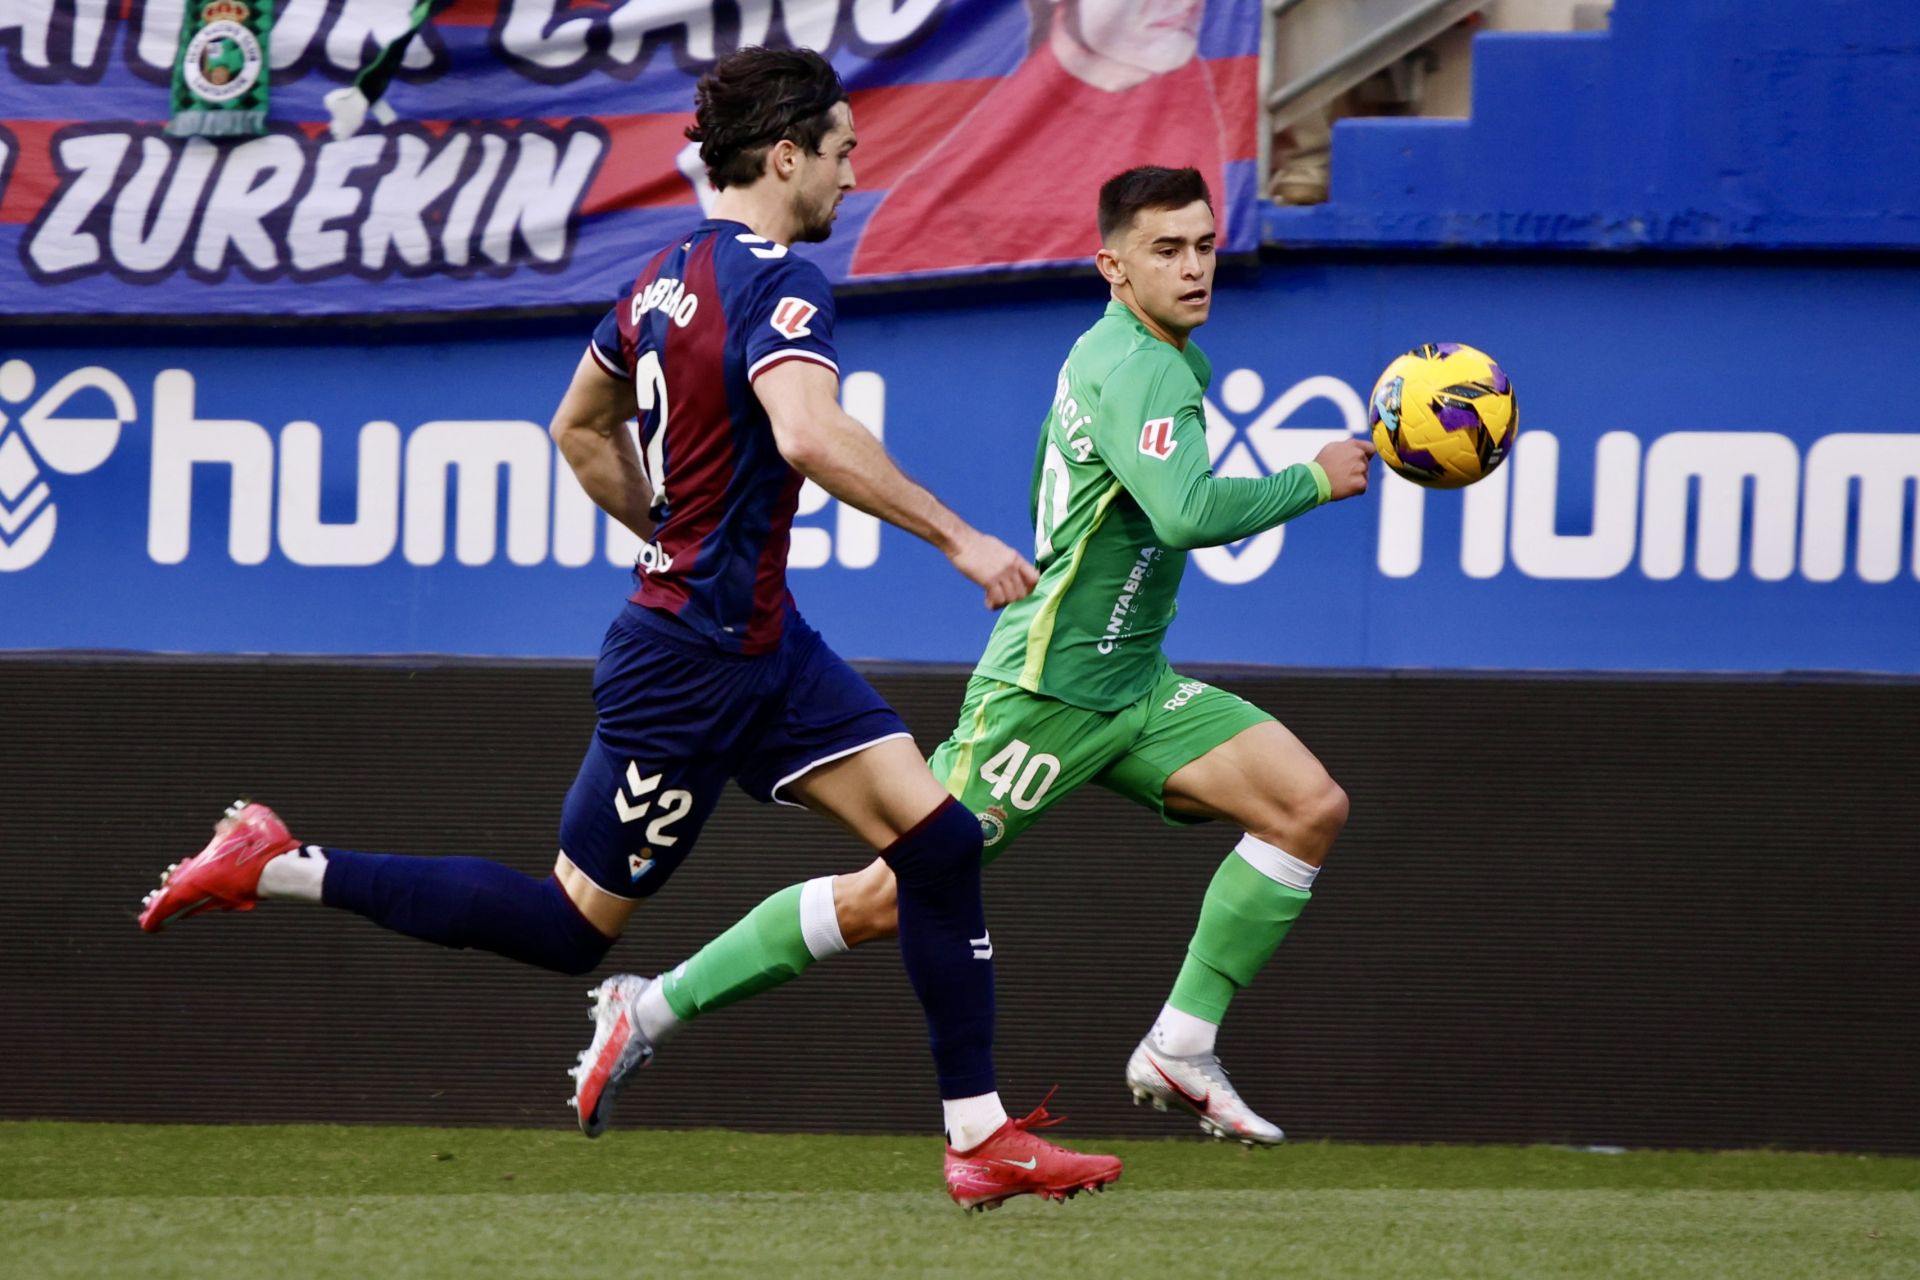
<point>1689,124</point>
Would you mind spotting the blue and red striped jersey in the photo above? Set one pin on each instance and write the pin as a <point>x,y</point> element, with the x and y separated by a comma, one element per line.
<point>710,313</point>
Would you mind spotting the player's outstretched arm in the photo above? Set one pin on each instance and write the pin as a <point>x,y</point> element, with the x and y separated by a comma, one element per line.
<point>825,444</point>
<point>590,426</point>
<point>1172,479</point>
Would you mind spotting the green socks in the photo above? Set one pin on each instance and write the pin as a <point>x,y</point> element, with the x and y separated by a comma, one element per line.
<point>774,943</point>
<point>1248,910</point>
<point>1256,895</point>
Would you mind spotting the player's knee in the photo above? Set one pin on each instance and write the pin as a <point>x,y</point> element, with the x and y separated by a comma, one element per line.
<point>1329,809</point>
<point>572,945</point>
<point>946,843</point>
<point>1315,820</point>
<point>867,904</point>
<point>1307,822</point>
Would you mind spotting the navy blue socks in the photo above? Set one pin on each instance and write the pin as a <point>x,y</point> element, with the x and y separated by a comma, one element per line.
<point>468,902</point>
<point>944,944</point>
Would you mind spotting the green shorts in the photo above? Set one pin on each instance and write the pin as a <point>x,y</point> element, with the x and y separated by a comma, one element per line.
<point>1014,753</point>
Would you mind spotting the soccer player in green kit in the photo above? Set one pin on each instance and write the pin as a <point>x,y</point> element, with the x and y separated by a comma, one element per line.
<point>1073,687</point>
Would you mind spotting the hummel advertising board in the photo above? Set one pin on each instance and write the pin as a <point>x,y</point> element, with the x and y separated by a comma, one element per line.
<point>1711,474</point>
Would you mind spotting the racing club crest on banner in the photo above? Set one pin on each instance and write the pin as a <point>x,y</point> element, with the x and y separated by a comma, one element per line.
<point>220,74</point>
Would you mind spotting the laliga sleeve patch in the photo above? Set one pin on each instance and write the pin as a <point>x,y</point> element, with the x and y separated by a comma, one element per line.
<point>790,317</point>
<point>1156,438</point>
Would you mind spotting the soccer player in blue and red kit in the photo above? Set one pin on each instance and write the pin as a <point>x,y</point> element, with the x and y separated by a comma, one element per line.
<point>723,350</point>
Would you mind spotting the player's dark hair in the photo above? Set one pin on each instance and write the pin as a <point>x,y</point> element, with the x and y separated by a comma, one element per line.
<point>1124,195</point>
<point>756,97</point>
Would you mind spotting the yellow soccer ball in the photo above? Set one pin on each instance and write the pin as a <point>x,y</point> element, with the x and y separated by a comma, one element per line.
<point>1444,415</point>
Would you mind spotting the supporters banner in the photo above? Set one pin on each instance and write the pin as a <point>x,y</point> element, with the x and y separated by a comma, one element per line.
<point>535,148</point>
<point>1672,504</point>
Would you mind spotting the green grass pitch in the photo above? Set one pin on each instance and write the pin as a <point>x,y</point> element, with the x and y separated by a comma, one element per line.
<point>401,1204</point>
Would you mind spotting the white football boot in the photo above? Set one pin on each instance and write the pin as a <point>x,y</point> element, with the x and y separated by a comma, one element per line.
<point>1199,1083</point>
<point>618,1050</point>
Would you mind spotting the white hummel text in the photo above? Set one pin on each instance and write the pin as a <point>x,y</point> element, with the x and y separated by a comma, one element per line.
<point>982,946</point>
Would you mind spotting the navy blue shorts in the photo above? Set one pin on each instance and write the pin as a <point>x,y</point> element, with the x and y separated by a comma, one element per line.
<point>678,719</point>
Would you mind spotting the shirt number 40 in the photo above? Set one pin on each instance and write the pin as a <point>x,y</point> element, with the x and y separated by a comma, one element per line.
<point>1018,777</point>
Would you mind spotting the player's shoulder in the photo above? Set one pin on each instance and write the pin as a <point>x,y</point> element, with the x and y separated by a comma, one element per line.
<point>1118,341</point>
<point>1197,364</point>
<point>1148,368</point>
<point>747,260</point>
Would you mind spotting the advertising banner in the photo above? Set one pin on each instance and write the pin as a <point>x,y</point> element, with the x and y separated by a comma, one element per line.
<point>220,84</point>
<point>1709,476</point>
<point>529,153</point>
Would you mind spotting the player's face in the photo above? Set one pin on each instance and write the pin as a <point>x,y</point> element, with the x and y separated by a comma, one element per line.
<point>823,178</point>
<point>1154,35</point>
<point>1167,260</point>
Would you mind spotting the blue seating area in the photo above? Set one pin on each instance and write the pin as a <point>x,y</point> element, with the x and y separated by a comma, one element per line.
<point>1691,124</point>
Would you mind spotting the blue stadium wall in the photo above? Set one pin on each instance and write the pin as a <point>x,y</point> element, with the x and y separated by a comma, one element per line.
<point>1715,469</point>
<point>1628,729</point>
<point>1715,473</point>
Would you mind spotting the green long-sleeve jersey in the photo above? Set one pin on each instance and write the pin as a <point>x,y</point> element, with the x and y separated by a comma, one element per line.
<point>1123,488</point>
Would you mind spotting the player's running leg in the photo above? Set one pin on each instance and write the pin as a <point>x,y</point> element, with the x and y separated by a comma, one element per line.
<point>777,941</point>
<point>1265,781</point>
<point>931,842</point>
<point>772,944</point>
<point>886,797</point>
<point>647,784</point>
<point>1011,756</point>
<point>456,902</point>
